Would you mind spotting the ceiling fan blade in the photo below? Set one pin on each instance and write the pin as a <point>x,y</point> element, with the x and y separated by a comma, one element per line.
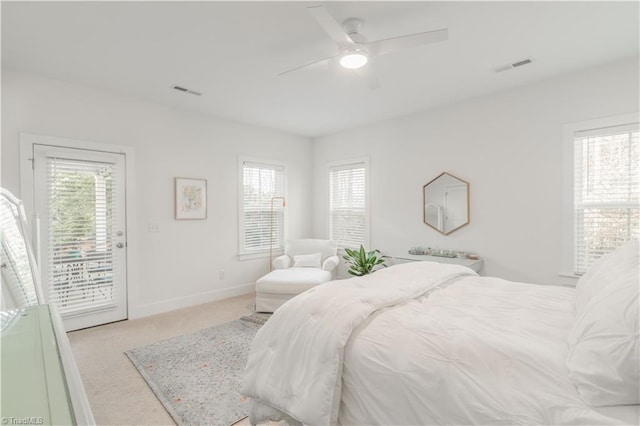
<point>382,47</point>
<point>330,25</point>
<point>309,65</point>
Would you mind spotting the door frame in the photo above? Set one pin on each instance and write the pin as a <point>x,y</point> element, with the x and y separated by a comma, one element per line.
<point>27,193</point>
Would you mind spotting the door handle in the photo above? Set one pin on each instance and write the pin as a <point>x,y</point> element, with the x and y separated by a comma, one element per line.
<point>120,245</point>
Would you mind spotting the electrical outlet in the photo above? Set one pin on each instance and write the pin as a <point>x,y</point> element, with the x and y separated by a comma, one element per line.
<point>221,274</point>
<point>154,227</point>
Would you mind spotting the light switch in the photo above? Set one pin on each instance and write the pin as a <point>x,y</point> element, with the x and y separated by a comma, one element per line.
<point>154,227</point>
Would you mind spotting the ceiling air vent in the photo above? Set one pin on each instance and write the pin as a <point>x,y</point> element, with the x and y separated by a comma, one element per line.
<point>513,65</point>
<point>185,90</point>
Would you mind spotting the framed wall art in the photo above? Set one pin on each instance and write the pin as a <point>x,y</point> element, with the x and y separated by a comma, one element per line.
<point>191,198</point>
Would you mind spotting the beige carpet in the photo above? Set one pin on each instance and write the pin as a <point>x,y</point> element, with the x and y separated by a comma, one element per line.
<point>117,393</point>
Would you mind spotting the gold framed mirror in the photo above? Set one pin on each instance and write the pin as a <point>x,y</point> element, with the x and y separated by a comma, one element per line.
<point>445,205</point>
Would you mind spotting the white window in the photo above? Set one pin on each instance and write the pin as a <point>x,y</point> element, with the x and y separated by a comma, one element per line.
<point>348,203</point>
<point>261,206</point>
<point>606,191</point>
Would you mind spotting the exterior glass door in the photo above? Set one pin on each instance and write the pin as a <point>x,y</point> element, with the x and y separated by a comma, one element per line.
<point>80,200</point>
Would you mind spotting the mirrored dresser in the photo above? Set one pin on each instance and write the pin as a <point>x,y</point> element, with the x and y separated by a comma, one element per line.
<point>475,264</point>
<point>40,381</point>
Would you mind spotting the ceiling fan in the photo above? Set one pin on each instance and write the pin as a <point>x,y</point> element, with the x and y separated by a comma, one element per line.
<point>354,50</point>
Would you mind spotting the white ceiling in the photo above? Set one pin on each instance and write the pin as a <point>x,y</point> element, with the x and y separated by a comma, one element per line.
<point>233,51</point>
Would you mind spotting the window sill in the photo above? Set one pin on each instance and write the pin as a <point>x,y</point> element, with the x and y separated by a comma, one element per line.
<point>569,275</point>
<point>259,254</point>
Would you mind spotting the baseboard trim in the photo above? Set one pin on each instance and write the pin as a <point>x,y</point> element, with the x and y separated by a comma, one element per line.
<point>187,301</point>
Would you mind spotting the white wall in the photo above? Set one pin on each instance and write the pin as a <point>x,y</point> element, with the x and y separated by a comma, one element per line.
<point>179,266</point>
<point>507,145</point>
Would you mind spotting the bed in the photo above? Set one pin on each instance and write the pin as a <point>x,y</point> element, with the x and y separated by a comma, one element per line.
<point>429,343</point>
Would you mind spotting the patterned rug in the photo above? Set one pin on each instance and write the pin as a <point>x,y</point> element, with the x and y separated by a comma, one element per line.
<point>198,377</point>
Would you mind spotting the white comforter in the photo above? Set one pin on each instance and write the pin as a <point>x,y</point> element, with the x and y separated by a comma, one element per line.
<point>420,343</point>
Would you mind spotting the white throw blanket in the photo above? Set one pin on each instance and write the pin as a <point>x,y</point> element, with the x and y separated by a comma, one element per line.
<point>295,364</point>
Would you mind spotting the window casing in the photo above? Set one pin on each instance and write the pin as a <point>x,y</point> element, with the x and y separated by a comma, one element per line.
<point>261,206</point>
<point>348,203</point>
<point>606,191</point>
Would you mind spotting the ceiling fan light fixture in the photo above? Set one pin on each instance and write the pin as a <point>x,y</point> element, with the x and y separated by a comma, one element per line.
<point>354,59</point>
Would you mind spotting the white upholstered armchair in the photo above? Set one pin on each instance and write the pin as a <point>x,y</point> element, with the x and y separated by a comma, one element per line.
<point>304,264</point>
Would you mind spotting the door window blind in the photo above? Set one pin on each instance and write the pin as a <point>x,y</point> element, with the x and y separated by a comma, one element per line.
<point>80,238</point>
<point>606,191</point>
<point>348,204</point>
<point>261,182</point>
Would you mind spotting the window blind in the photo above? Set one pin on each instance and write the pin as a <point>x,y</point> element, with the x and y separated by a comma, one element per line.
<point>606,191</point>
<point>348,204</point>
<point>262,182</point>
<point>80,245</point>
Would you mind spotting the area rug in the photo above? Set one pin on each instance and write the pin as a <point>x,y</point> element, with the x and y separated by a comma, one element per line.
<point>198,376</point>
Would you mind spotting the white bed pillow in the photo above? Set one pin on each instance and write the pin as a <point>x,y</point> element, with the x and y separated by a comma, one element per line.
<point>597,278</point>
<point>603,342</point>
<point>307,260</point>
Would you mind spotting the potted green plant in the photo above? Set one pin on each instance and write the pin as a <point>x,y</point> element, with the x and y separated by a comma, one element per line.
<point>362,262</point>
